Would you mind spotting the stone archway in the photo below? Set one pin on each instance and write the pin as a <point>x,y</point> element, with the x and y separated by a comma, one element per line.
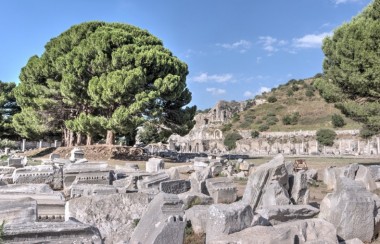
<point>218,134</point>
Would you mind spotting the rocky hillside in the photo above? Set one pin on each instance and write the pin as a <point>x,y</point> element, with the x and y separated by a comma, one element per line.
<point>294,106</point>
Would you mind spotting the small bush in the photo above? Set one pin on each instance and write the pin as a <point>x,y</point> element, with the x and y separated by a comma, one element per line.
<point>272,99</point>
<point>289,93</point>
<point>255,134</point>
<point>337,121</point>
<point>259,121</point>
<point>309,93</point>
<point>226,127</point>
<point>366,133</point>
<point>230,140</point>
<point>326,137</point>
<point>295,87</point>
<point>291,119</point>
<point>272,120</point>
<point>264,127</point>
<point>271,114</point>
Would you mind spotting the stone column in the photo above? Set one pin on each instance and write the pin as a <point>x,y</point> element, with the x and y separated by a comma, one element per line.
<point>369,148</point>
<point>340,146</point>
<point>55,143</point>
<point>378,145</point>
<point>23,145</point>
<point>316,145</point>
<point>40,146</point>
<point>358,146</point>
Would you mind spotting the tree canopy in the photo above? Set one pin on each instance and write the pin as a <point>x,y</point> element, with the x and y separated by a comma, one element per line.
<point>98,77</point>
<point>351,68</point>
<point>8,108</point>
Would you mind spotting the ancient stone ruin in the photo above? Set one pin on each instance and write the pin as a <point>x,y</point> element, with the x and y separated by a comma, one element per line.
<point>91,202</point>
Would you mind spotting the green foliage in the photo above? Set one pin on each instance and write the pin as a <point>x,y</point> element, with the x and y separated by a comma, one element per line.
<point>351,66</point>
<point>272,99</point>
<point>235,118</point>
<point>255,134</point>
<point>295,87</point>
<point>8,108</point>
<point>109,75</point>
<point>290,93</point>
<point>263,127</point>
<point>291,119</point>
<point>230,140</point>
<point>366,133</point>
<point>226,127</point>
<point>337,121</point>
<point>326,137</point>
<point>309,92</point>
<point>2,231</point>
<point>8,143</point>
<point>271,120</point>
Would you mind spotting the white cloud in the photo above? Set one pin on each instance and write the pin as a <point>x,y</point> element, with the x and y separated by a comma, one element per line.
<point>215,91</point>
<point>311,40</point>
<point>205,77</point>
<point>271,44</point>
<point>248,94</point>
<point>346,1</point>
<point>262,90</point>
<point>242,45</point>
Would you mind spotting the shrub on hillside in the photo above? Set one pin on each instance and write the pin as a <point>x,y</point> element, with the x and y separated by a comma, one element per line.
<point>272,99</point>
<point>255,134</point>
<point>230,140</point>
<point>290,93</point>
<point>264,127</point>
<point>291,119</point>
<point>309,92</point>
<point>272,120</point>
<point>326,137</point>
<point>337,121</point>
<point>366,133</point>
<point>226,127</point>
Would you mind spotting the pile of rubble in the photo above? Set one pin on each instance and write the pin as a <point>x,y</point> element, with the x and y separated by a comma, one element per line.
<point>79,201</point>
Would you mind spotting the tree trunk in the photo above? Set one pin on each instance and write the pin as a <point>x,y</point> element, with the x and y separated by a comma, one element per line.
<point>66,137</point>
<point>79,139</point>
<point>110,137</point>
<point>71,139</point>
<point>89,140</point>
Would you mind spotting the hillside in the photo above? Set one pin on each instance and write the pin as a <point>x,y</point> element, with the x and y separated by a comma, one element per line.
<point>297,100</point>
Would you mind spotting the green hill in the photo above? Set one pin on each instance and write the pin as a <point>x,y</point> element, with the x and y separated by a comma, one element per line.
<point>294,106</point>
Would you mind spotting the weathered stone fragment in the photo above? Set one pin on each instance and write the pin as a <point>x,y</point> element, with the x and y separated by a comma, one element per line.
<point>301,231</point>
<point>192,198</point>
<point>173,173</point>
<point>222,189</point>
<point>227,219</point>
<point>198,180</point>
<point>268,185</point>
<point>330,176</point>
<point>114,215</point>
<point>79,190</point>
<point>163,221</point>
<point>175,186</point>
<point>278,214</point>
<point>76,154</point>
<point>299,189</point>
<point>41,174</point>
<point>375,172</point>
<point>198,218</point>
<point>154,165</point>
<point>23,210</point>
<point>350,208</point>
<point>64,232</point>
<point>152,182</point>
<point>50,206</point>
<point>364,176</point>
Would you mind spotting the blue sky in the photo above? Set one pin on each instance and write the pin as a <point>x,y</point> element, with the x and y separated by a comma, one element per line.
<point>234,49</point>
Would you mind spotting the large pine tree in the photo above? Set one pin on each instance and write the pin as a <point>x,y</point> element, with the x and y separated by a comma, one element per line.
<point>352,68</point>
<point>110,77</point>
